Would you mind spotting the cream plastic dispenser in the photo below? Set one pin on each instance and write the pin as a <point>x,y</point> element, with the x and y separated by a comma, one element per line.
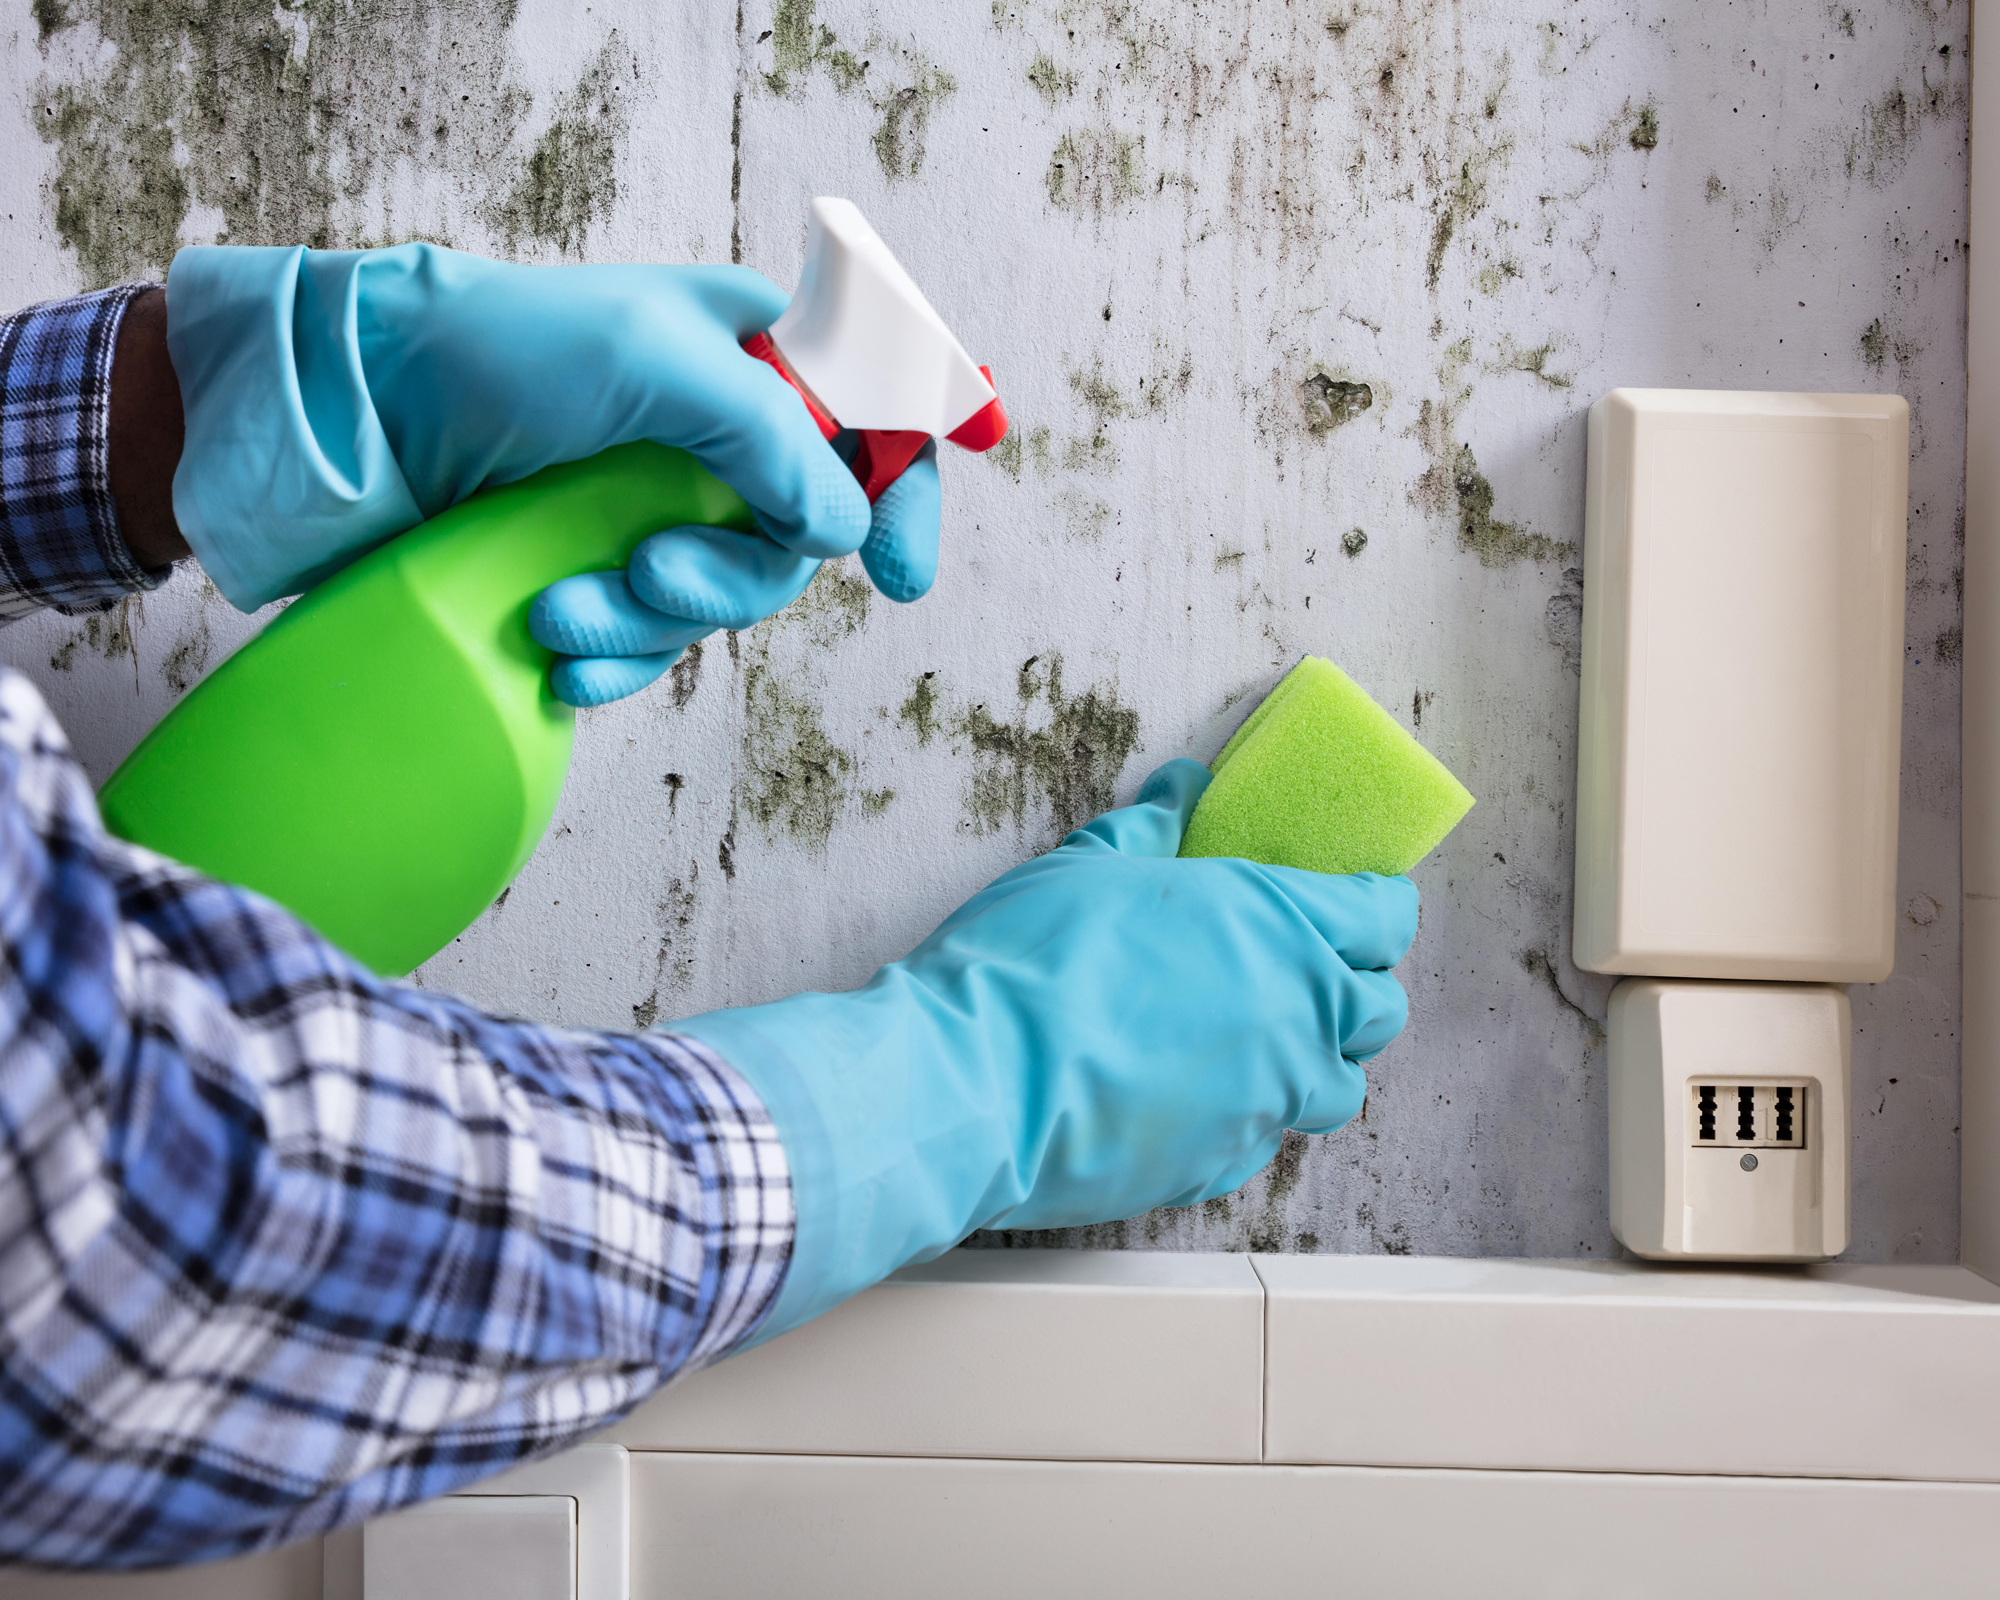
<point>1738,774</point>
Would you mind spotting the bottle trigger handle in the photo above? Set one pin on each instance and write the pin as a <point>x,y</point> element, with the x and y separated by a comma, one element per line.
<point>885,452</point>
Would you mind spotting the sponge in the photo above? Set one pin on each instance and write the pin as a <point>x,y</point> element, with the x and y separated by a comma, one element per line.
<point>1319,776</point>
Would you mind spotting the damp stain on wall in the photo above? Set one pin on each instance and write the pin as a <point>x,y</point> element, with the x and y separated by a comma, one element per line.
<point>795,780</point>
<point>1053,760</point>
<point>1096,169</point>
<point>569,179</point>
<point>899,82</point>
<point>835,604</point>
<point>289,123</point>
<point>1330,402</point>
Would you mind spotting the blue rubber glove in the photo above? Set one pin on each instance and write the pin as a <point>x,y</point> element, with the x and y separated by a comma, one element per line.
<point>1103,1030</point>
<point>334,398</point>
<point>615,632</point>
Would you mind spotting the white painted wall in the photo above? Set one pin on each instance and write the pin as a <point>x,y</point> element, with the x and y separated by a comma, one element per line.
<point>1160,223</point>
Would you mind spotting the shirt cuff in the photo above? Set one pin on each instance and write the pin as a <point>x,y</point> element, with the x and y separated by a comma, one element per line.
<point>60,543</point>
<point>750,1216</point>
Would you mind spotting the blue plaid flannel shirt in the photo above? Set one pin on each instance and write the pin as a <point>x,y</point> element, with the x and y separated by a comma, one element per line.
<point>283,1245</point>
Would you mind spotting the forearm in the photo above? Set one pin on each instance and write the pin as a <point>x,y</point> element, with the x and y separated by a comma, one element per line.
<point>285,1245</point>
<point>146,429</point>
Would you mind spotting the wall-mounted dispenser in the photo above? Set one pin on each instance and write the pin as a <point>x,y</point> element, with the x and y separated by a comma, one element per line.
<point>1738,772</point>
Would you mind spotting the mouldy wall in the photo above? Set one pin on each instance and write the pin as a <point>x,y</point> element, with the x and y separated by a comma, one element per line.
<point>1298,310</point>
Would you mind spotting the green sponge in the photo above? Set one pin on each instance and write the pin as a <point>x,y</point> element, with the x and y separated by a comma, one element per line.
<point>1320,776</point>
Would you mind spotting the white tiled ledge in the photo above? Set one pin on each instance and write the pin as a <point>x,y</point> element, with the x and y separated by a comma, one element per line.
<point>1866,1372</point>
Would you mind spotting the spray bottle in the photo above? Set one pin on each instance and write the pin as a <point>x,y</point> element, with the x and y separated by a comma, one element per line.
<point>385,756</point>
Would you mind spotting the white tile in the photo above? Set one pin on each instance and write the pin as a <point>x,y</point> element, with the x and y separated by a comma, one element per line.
<point>1619,1367</point>
<point>1113,1355</point>
<point>829,1526</point>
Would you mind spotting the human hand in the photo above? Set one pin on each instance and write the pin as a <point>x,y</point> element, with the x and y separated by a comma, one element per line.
<point>1103,1030</point>
<point>335,398</point>
<point>615,632</point>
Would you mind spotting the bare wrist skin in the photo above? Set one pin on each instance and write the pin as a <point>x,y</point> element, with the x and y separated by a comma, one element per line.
<point>146,433</point>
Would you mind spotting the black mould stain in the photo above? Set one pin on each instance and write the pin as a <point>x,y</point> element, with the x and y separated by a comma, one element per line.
<point>1538,965</point>
<point>1645,134</point>
<point>1892,122</point>
<point>1875,344</point>
<point>1270,1233</point>
<point>1060,753</point>
<point>1496,543</point>
<point>795,776</point>
<point>570,177</point>
<point>284,119</point>
<point>919,710</point>
<point>683,678</point>
<point>1949,645</point>
<point>673,962</point>
<point>1096,169</point>
<point>189,658</point>
<point>1331,402</point>
<point>675,782</point>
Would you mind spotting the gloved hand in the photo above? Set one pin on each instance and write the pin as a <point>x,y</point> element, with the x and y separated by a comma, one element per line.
<point>1103,1030</point>
<point>615,632</point>
<point>335,398</point>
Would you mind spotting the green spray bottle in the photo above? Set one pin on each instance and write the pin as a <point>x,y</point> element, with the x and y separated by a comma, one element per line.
<point>385,756</point>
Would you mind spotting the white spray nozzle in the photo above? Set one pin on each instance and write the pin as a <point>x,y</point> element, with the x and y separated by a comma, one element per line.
<point>864,340</point>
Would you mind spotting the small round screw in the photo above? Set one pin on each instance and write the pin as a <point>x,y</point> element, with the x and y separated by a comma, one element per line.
<point>1748,1163</point>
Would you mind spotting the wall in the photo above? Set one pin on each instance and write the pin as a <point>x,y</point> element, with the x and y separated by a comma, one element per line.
<point>1298,308</point>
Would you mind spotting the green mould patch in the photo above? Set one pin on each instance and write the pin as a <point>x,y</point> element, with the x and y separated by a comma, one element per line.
<point>570,177</point>
<point>904,116</point>
<point>1496,543</point>
<point>1645,134</point>
<point>673,962</point>
<point>286,119</point>
<point>919,710</point>
<point>1096,169</point>
<point>1353,542</point>
<point>795,778</point>
<point>1330,402</point>
<point>834,605</point>
<point>1535,362</point>
<point>913,89</point>
<point>799,43</point>
<point>1058,753</point>
<point>1462,199</point>
<point>1050,81</point>
<point>1893,121</point>
<point>683,679</point>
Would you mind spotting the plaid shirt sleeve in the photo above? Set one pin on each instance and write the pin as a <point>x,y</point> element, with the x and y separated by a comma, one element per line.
<point>60,543</point>
<point>284,1245</point>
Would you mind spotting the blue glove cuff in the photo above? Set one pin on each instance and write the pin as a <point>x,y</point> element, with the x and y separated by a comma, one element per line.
<point>810,1286</point>
<point>286,474</point>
